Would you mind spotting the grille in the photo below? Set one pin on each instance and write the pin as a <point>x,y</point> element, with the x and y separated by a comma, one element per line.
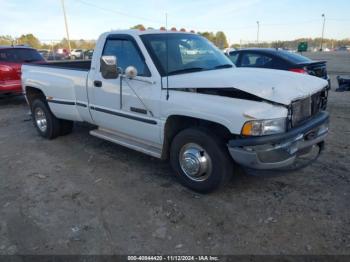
<point>316,103</point>
<point>301,110</point>
<point>305,108</point>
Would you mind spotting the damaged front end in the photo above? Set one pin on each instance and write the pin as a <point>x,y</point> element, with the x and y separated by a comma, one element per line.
<point>307,130</point>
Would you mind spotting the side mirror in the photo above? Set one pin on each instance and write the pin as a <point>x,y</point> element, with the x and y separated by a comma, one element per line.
<point>131,72</point>
<point>108,67</point>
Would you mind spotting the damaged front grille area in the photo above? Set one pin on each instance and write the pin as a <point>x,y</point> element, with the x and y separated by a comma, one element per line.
<point>303,109</point>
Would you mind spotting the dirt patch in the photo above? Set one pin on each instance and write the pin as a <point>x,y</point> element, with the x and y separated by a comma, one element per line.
<point>81,195</point>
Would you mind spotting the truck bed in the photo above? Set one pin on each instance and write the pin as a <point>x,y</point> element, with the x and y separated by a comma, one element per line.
<point>64,83</point>
<point>83,65</point>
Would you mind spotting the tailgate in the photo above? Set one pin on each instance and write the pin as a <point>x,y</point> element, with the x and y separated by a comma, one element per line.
<point>10,72</point>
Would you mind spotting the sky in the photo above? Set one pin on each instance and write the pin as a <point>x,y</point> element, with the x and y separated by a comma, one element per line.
<point>87,19</point>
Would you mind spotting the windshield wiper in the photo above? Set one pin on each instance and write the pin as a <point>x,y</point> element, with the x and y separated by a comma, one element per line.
<point>186,70</point>
<point>223,66</point>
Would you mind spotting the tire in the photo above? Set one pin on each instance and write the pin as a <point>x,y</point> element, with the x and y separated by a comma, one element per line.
<point>47,125</point>
<point>196,145</point>
<point>66,127</point>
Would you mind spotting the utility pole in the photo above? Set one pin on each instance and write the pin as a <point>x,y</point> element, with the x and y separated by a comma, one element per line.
<point>257,35</point>
<point>324,23</point>
<point>166,21</point>
<point>66,24</point>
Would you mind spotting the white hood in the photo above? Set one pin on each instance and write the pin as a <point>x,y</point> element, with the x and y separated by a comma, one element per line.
<point>274,85</point>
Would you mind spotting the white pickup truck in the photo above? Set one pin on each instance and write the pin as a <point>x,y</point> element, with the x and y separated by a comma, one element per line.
<point>174,95</point>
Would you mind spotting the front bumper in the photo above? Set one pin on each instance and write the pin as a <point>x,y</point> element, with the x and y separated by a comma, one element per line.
<point>280,150</point>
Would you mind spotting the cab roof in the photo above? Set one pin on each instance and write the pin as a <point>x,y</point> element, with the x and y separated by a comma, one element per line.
<point>144,32</point>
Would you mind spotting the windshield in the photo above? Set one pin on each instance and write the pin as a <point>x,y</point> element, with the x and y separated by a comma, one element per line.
<point>19,55</point>
<point>186,53</point>
<point>295,58</point>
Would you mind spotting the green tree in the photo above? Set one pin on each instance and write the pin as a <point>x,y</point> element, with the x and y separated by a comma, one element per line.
<point>221,40</point>
<point>30,40</point>
<point>236,46</point>
<point>6,40</point>
<point>208,35</point>
<point>278,44</point>
<point>139,27</point>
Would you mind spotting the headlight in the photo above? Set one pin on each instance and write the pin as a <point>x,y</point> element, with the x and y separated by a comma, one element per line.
<point>264,127</point>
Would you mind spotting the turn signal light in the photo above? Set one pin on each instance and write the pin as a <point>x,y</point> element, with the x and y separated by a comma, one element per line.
<point>247,129</point>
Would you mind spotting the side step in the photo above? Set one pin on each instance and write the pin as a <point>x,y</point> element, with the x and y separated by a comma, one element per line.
<point>127,141</point>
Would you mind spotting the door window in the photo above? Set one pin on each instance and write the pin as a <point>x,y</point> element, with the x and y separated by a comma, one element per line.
<point>17,55</point>
<point>127,55</point>
<point>256,60</point>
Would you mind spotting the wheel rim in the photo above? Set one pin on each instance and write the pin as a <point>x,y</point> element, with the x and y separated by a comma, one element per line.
<point>40,119</point>
<point>195,162</point>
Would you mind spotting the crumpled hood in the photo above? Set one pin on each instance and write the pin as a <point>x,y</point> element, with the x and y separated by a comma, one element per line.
<point>274,85</point>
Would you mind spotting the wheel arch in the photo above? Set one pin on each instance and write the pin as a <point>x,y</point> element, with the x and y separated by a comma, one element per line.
<point>177,122</point>
<point>32,93</point>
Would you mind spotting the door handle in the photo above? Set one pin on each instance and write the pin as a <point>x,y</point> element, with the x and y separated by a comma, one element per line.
<point>98,83</point>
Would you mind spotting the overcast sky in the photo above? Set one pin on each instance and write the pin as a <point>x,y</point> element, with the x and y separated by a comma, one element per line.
<point>279,19</point>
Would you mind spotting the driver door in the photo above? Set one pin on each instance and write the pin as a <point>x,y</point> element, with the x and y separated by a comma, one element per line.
<point>126,105</point>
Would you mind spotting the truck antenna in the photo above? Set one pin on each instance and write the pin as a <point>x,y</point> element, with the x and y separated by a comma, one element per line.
<point>167,56</point>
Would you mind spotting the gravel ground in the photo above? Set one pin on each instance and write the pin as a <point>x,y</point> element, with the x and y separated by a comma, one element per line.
<point>81,195</point>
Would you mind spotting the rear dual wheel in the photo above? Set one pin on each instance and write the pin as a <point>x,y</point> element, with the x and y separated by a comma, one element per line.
<point>46,123</point>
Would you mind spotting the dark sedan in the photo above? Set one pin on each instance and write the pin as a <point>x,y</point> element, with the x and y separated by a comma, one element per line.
<point>280,60</point>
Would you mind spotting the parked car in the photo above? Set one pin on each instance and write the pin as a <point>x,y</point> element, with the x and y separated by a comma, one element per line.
<point>281,60</point>
<point>76,54</point>
<point>53,56</point>
<point>343,49</point>
<point>11,60</point>
<point>199,111</point>
<point>44,52</point>
<point>62,53</point>
<point>88,54</point>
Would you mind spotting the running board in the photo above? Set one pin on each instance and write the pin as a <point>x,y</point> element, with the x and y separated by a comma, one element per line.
<point>127,141</point>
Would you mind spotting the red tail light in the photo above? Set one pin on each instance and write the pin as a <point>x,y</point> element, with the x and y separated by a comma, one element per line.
<point>298,70</point>
<point>5,68</point>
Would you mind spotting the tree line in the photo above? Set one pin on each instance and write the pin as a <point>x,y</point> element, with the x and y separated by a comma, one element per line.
<point>313,43</point>
<point>31,40</point>
<point>218,38</point>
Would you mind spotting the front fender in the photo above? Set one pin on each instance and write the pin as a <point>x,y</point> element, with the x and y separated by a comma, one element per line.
<point>229,112</point>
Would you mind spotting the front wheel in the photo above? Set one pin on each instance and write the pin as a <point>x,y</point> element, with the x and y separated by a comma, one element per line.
<point>200,159</point>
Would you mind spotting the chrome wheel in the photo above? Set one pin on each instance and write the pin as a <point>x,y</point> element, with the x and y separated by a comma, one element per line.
<point>40,119</point>
<point>195,162</point>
